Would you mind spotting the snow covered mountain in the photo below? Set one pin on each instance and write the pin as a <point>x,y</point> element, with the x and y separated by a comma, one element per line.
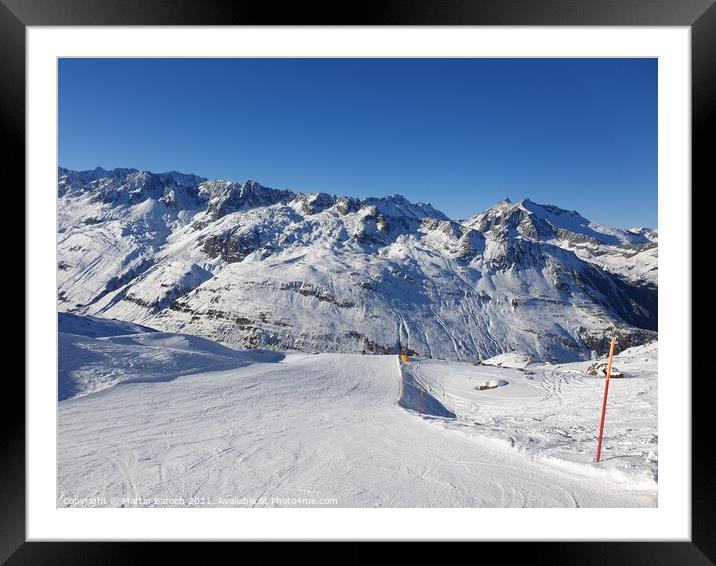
<point>632,254</point>
<point>252,266</point>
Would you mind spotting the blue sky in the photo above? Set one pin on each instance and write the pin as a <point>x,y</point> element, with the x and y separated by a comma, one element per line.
<point>459,133</point>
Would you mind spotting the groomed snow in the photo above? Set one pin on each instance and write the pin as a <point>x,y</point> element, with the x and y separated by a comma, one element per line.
<point>354,430</point>
<point>551,412</point>
<point>95,354</point>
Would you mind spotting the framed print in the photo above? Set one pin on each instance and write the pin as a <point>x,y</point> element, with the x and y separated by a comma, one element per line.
<point>398,278</point>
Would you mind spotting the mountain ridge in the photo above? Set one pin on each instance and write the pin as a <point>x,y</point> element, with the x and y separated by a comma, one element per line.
<point>254,266</point>
<point>119,171</point>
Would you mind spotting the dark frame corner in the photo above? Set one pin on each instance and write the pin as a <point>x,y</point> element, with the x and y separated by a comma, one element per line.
<point>700,15</point>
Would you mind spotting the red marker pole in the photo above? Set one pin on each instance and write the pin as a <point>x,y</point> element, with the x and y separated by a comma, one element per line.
<point>604,402</point>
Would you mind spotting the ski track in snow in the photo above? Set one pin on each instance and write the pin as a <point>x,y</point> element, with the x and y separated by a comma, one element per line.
<point>329,426</point>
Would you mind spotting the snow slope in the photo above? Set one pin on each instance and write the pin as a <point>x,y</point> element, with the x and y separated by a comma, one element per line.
<point>95,354</point>
<point>352,431</point>
<point>551,412</point>
<point>97,327</point>
<point>257,267</point>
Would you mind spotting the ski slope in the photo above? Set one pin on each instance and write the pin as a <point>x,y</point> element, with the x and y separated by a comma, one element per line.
<point>549,412</point>
<point>341,430</point>
<point>96,354</point>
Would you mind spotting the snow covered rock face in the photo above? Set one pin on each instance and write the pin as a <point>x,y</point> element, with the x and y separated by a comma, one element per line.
<point>252,266</point>
<point>226,197</point>
<point>129,186</point>
<point>631,254</point>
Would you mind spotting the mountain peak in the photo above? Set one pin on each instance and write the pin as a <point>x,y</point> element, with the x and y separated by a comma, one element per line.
<point>547,222</point>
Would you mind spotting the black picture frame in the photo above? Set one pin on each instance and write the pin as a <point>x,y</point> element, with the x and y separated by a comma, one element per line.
<point>16,15</point>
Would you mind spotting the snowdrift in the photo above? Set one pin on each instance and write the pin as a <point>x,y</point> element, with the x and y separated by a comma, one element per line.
<point>96,354</point>
<point>94,327</point>
<point>510,360</point>
<point>415,396</point>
